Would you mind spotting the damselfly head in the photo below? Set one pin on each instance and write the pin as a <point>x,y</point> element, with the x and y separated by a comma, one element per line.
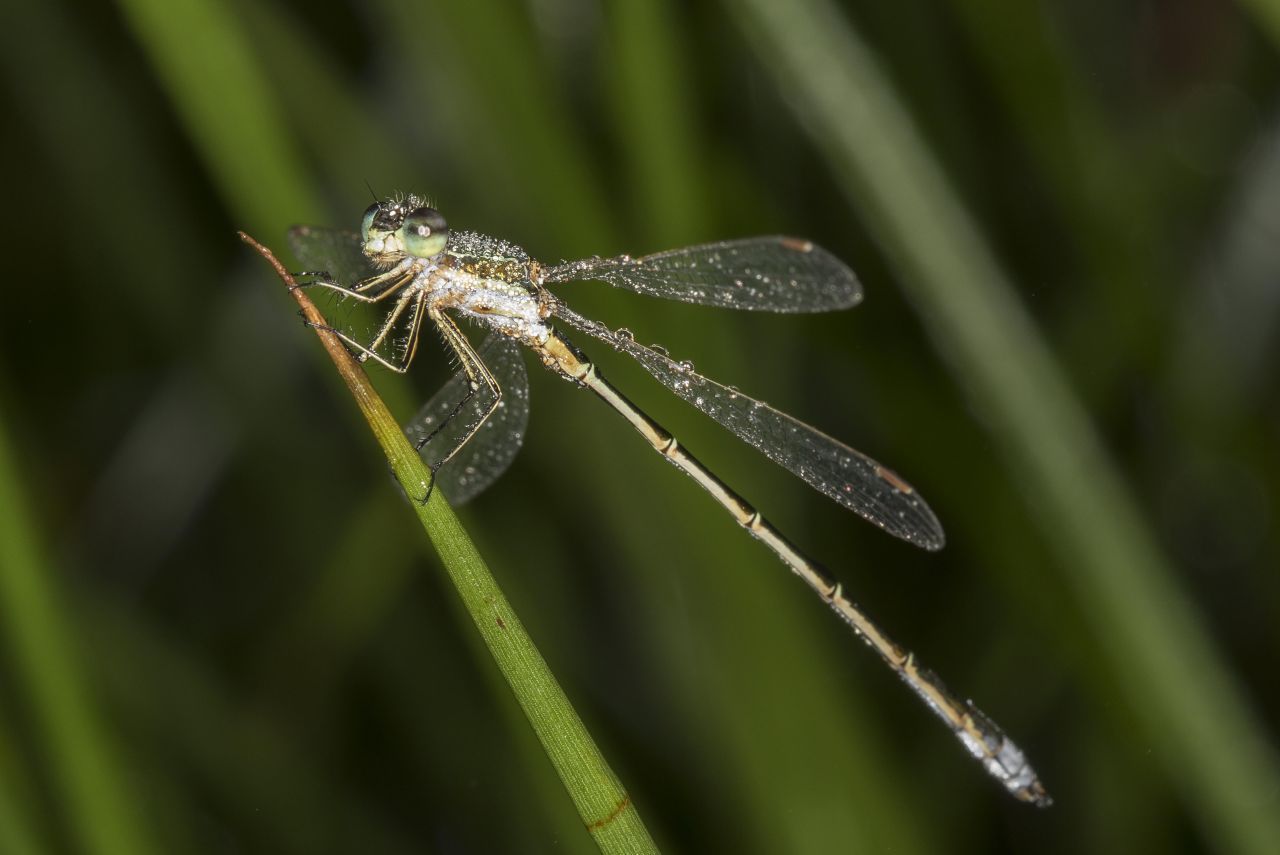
<point>395,228</point>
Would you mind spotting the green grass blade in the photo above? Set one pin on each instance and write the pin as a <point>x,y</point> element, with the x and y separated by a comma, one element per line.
<point>224,100</point>
<point>1161,656</point>
<point>336,123</point>
<point>19,832</point>
<point>92,781</point>
<point>490,79</point>
<point>654,120</point>
<point>261,774</point>
<point>1267,13</point>
<point>602,803</point>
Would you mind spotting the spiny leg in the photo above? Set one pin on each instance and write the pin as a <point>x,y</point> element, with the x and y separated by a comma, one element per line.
<point>388,282</point>
<point>365,353</point>
<point>478,374</point>
<point>415,330</point>
<point>450,416</point>
<point>389,323</point>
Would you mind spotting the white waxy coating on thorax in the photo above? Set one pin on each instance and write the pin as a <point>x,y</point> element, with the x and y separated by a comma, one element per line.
<point>511,309</point>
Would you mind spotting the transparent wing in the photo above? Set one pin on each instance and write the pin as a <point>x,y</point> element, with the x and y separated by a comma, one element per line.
<point>389,330</point>
<point>487,454</point>
<point>334,251</point>
<point>852,479</point>
<point>766,274</point>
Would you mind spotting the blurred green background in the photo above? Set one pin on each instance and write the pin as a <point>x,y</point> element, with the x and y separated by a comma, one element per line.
<point>220,630</point>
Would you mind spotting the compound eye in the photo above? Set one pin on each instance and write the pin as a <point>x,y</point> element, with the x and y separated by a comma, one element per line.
<point>367,222</point>
<point>424,232</point>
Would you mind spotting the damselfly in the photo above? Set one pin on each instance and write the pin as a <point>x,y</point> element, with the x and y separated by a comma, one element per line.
<point>469,432</point>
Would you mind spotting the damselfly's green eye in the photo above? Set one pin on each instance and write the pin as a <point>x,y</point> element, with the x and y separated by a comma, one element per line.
<point>367,222</point>
<point>424,232</point>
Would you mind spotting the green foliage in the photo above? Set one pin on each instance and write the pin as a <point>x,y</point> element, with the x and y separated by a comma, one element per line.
<point>1063,217</point>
